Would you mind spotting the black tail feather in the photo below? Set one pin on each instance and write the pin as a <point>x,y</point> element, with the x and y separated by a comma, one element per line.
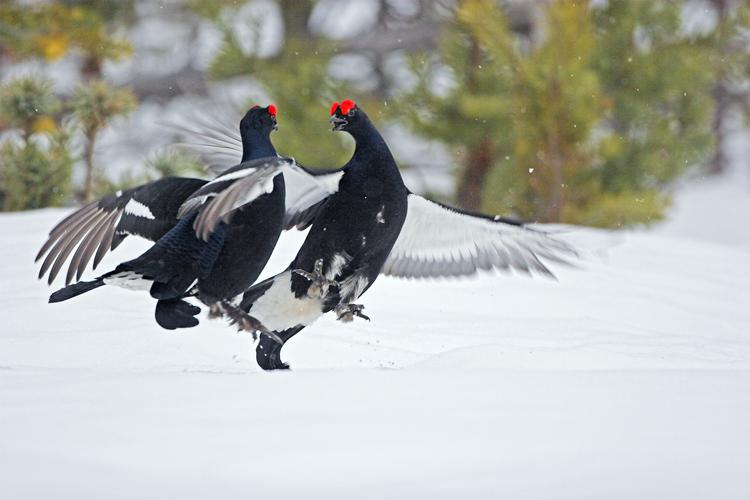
<point>75,289</point>
<point>178,259</point>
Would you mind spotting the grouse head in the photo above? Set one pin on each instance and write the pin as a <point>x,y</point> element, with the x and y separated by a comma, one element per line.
<point>347,116</point>
<point>259,119</point>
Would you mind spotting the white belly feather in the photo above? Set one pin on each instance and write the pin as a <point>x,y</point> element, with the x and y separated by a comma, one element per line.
<point>278,308</point>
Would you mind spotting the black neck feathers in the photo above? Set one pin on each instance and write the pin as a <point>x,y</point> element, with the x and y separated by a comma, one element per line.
<point>371,148</point>
<point>256,144</point>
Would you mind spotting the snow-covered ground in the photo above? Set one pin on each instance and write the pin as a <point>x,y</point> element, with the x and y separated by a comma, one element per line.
<point>629,378</point>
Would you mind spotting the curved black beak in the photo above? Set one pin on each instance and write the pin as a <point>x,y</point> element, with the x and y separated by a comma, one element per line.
<point>338,123</point>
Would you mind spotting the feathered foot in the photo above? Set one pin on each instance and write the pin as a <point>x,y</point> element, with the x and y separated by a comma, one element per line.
<point>216,310</point>
<point>346,312</point>
<point>243,321</point>
<point>319,284</point>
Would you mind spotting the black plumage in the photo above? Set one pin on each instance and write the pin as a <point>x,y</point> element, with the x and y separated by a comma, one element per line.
<point>149,211</point>
<point>365,222</point>
<point>352,234</point>
<point>224,263</point>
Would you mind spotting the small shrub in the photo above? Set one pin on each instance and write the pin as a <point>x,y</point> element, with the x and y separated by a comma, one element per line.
<point>34,175</point>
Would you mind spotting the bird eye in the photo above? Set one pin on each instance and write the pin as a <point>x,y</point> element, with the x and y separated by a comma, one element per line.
<point>351,112</point>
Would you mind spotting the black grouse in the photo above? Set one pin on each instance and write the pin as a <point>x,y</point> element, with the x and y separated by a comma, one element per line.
<point>148,210</point>
<point>181,262</point>
<point>364,222</point>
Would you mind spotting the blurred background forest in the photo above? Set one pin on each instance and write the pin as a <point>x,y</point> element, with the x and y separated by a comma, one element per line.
<point>549,110</point>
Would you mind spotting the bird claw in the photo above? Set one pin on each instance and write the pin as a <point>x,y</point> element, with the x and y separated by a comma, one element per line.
<point>347,312</point>
<point>319,284</point>
<point>248,323</point>
<point>318,289</point>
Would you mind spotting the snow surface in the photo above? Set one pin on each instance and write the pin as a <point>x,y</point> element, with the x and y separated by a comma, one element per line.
<point>713,208</point>
<point>626,379</point>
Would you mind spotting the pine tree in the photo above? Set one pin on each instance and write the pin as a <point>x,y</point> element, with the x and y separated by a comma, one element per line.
<point>94,105</point>
<point>587,125</point>
<point>50,30</point>
<point>474,117</point>
<point>556,104</point>
<point>730,64</point>
<point>35,170</point>
<point>296,79</point>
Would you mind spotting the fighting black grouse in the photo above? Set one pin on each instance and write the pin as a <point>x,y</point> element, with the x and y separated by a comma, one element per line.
<point>181,262</point>
<point>364,222</point>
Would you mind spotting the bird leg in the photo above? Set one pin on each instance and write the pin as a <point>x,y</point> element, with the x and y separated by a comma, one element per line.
<point>346,312</point>
<point>248,323</point>
<point>216,310</point>
<point>318,289</point>
<point>319,284</point>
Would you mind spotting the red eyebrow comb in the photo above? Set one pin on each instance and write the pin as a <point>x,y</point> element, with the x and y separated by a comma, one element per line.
<point>347,105</point>
<point>333,107</point>
<point>272,110</point>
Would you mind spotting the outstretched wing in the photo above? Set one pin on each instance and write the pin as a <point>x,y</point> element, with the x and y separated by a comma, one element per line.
<point>439,241</point>
<point>307,191</point>
<point>149,211</point>
<point>242,184</point>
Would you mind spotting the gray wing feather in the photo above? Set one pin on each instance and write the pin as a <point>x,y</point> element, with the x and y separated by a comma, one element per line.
<point>440,241</point>
<point>218,200</point>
